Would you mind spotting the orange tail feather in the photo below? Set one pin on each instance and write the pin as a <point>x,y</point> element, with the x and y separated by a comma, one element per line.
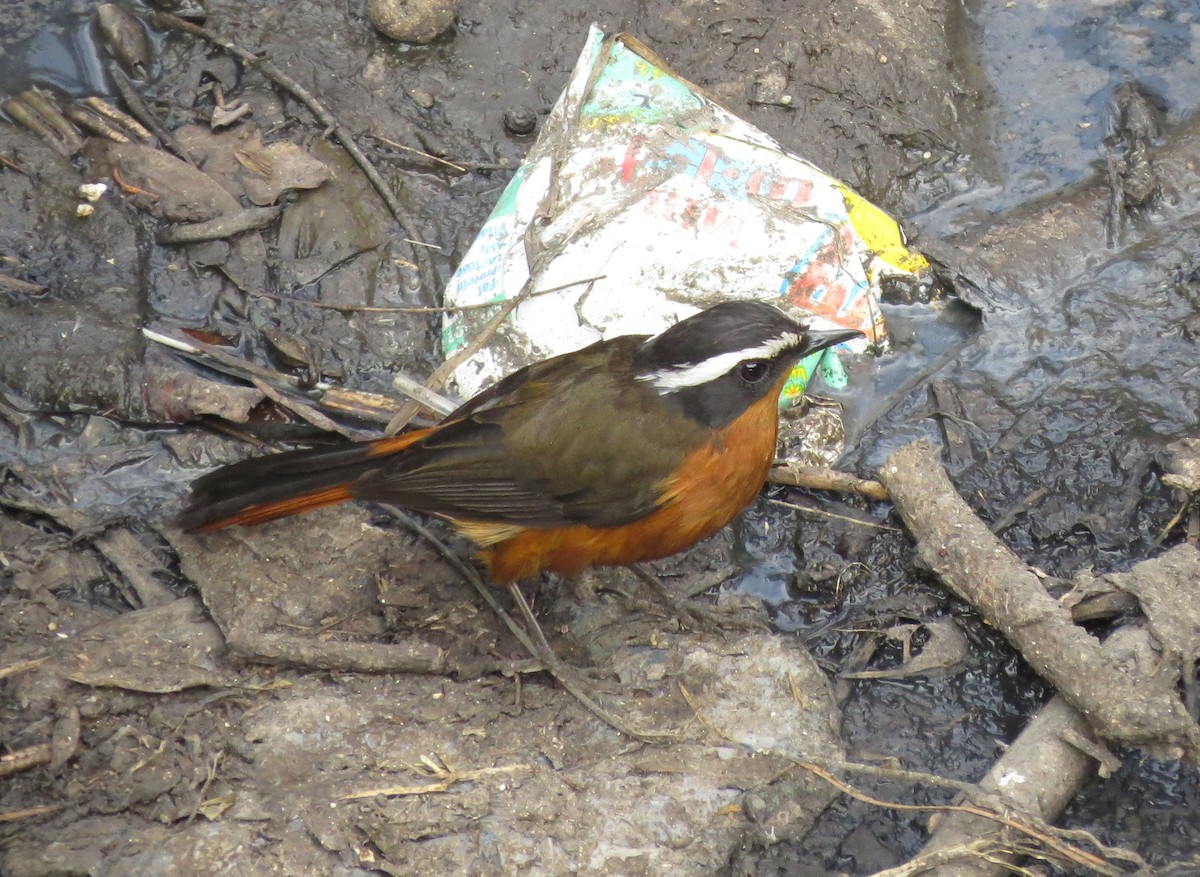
<point>265,488</point>
<point>260,513</point>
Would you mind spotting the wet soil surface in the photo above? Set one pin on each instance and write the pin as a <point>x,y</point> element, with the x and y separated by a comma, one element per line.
<point>326,695</point>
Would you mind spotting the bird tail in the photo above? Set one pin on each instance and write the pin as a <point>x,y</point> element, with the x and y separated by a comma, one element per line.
<point>265,488</point>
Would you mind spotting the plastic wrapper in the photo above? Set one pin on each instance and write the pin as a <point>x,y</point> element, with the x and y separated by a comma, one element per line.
<point>643,201</point>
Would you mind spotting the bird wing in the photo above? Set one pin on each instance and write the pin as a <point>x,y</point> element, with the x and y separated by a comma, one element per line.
<point>571,440</point>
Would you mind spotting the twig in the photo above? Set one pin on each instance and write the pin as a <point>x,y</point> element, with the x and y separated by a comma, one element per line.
<point>136,565</point>
<point>392,143</point>
<point>305,411</point>
<point>12,165</point>
<point>107,111</point>
<point>451,778</point>
<point>418,392</point>
<point>466,571</point>
<point>820,478</point>
<point>413,309</point>
<point>23,287</point>
<point>244,368</point>
<point>140,111</point>
<point>14,815</point>
<point>443,371</point>
<point>1124,704</point>
<point>14,669</point>
<point>833,515</point>
<point>372,407</point>
<point>24,759</point>
<point>225,226</point>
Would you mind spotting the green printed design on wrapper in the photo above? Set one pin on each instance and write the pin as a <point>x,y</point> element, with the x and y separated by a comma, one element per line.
<point>833,373</point>
<point>484,261</point>
<point>631,89</point>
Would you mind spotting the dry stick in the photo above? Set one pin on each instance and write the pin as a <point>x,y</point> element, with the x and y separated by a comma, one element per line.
<point>23,287</point>
<point>443,784</point>
<point>225,226</point>
<point>14,669</point>
<point>173,22</point>
<point>412,309</point>
<point>135,563</point>
<point>24,759</point>
<point>306,412</point>
<point>821,478</point>
<point>14,815</point>
<point>443,371</point>
<point>119,119</point>
<point>831,515</point>
<point>1123,705</point>
<point>392,143</point>
<point>244,367</point>
<point>138,108</point>
<point>1044,767</point>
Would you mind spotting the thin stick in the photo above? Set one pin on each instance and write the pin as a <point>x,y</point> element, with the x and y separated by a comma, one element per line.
<point>24,759</point>
<point>14,815</point>
<point>821,478</point>
<point>467,572</point>
<point>443,371</point>
<point>392,143</point>
<point>14,669</point>
<point>833,515</point>
<point>413,309</point>
<point>141,112</point>
<point>441,785</point>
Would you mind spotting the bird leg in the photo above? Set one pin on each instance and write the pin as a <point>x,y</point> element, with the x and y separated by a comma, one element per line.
<point>546,654</point>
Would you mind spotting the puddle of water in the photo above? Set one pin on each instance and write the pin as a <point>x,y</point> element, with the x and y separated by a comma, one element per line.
<point>1053,69</point>
<point>60,53</point>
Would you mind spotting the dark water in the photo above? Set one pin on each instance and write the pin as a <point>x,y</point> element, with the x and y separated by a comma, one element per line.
<point>56,49</point>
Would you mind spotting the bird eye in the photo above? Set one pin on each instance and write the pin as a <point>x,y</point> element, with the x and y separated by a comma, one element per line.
<point>753,371</point>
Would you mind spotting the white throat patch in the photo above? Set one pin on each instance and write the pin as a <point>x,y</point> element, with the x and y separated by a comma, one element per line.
<point>672,379</point>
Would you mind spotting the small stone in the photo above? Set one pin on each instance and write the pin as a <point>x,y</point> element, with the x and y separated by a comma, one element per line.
<point>520,120</point>
<point>92,192</point>
<point>421,98</point>
<point>411,21</point>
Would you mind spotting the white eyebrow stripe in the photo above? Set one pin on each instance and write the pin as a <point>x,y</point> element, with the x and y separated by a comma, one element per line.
<point>669,380</point>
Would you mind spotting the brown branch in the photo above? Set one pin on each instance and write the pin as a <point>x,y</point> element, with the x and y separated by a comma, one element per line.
<point>24,759</point>
<point>1124,704</point>
<point>821,478</point>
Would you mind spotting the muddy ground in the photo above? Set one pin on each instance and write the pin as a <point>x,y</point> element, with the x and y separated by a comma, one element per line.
<point>327,695</point>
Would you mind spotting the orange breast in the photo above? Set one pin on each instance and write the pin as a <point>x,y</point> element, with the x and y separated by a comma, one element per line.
<point>715,483</point>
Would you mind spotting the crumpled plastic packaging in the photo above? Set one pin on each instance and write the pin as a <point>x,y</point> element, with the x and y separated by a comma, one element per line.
<point>643,201</point>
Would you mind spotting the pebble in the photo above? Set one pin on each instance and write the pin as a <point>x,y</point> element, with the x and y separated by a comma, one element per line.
<point>520,120</point>
<point>421,98</point>
<point>411,21</point>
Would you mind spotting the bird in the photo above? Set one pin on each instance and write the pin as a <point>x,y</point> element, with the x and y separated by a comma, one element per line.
<point>628,450</point>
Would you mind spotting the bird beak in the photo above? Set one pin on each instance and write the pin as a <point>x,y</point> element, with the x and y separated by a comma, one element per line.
<point>814,341</point>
